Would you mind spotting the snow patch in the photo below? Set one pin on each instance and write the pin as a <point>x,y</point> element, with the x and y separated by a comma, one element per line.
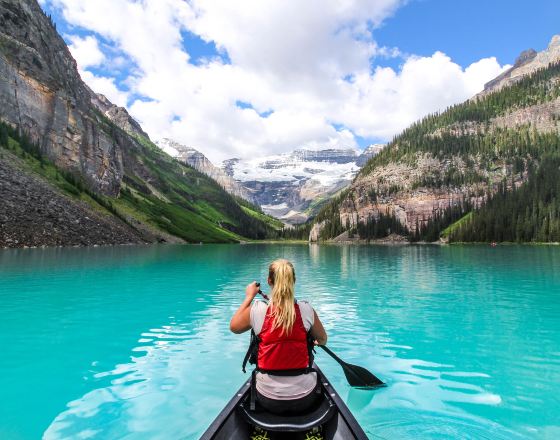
<point>295,168</point>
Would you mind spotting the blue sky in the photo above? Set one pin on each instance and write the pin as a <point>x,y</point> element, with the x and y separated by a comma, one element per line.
<point>267,76</point>
<point>474,29</point>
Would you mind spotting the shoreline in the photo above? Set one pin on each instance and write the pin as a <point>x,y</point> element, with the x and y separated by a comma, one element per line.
<point>290,242</point>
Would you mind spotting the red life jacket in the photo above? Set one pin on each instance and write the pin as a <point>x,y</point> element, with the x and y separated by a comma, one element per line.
<point>280,351</point>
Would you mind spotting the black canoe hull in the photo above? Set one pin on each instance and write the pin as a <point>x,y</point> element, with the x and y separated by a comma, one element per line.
<point>232,425</point>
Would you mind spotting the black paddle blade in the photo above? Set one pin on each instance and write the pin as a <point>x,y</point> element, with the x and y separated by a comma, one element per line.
<point>360,377</point>
<point>356,376</point>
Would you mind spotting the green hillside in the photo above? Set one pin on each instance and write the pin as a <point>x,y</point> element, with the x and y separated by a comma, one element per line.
<point>157,191</point>
<point>465,131</point>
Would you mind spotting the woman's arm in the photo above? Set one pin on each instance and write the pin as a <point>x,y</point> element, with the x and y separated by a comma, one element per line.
<point>318,331</point>
<point>241,320</point>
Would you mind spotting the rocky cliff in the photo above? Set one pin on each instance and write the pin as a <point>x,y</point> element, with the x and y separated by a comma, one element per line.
<point>462,156</point>
<point>79,143</point>
<point>118,115</point>
<point>200,162</point>
<point>526,63</point>
<point>43,95</point>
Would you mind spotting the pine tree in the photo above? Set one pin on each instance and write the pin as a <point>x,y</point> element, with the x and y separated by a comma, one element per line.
<point>3,135</point>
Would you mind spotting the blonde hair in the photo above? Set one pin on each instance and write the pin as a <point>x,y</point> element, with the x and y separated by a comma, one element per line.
<point>282,276</point>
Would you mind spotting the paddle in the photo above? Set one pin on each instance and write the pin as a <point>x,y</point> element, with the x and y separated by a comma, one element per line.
<point>356,376</point>
<point>261,292</point>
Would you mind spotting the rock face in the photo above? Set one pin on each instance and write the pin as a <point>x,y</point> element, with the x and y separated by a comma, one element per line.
<point>41,93</point>
<point>118,115</point>
<point>200,162</point>
<point>316,232</point>
<point>33,213</point>
<point>229,165</point>
<point>368,153</point>
<point>527,62</point>
<point>293,186</point>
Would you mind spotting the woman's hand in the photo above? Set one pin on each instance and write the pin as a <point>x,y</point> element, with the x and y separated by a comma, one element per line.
<point>252,290</point>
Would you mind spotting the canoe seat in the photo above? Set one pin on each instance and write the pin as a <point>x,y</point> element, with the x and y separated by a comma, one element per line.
<point>320,414</point>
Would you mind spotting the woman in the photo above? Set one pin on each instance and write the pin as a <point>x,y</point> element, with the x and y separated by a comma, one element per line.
<point>284,382</point>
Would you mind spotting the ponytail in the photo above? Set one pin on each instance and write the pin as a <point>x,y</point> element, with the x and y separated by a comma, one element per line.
<point>282,276</point>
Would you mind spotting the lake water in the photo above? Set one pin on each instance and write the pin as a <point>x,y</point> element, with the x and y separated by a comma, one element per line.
<point>133,342</point>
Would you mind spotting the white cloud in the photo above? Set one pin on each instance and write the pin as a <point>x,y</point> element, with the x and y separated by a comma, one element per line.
<point>105,86</point>
<point>287,56</point>
<point>86,51</point>
<point>385,102</point>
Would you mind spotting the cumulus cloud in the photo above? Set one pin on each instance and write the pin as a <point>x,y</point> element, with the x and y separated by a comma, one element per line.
<point>88,54</point>
<point>385,102</point>
<point>303,70</point>
<point>105,86</point>
<point>86,51</point>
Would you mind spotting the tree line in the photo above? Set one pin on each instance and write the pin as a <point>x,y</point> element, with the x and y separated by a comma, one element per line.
<point>528,213</point>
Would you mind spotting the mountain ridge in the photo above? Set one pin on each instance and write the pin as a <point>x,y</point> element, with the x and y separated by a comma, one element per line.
<point>284,185</point>
<point>292,186</point>
<point>199,161</point>
<point>458,159</point>
<point>526,63</point>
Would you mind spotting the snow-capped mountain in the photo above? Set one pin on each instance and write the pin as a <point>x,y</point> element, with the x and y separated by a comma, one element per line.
<point>368,153</point>
<point>200,162</point>
<point>292,186</point>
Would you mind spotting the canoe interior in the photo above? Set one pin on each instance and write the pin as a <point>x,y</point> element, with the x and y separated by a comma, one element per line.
<point>231,425</point>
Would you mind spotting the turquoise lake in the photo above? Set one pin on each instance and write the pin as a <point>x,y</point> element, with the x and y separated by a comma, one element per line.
<point>134,342</point>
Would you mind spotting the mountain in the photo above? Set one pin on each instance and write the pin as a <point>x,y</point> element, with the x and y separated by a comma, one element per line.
<point>529,61</point>
<point>368,153</point>
<point>293,186</point>
<point>200,162</point>
<point>61,142</point>
<point>290,187</point>
<point>452,175</point>
<point>118,115</point>
<point>42,93</point>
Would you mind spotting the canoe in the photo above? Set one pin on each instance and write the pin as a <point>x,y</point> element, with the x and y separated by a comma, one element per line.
<point>236,421</point>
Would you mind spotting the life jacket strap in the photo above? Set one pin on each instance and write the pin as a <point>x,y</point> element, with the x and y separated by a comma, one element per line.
<point>253,391</point>
<point>252,351</point>
<point>310,348</point>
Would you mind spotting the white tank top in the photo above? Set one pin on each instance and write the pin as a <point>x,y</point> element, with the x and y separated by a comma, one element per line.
<point>283,387</point>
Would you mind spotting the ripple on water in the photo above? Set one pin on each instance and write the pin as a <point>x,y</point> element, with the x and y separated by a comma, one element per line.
<point>413,424</point>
